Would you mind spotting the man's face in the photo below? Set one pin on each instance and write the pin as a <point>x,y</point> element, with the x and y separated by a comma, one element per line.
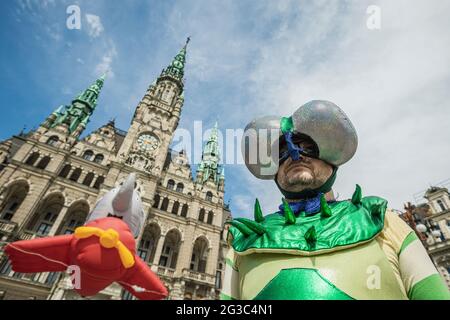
<point>306,173</point>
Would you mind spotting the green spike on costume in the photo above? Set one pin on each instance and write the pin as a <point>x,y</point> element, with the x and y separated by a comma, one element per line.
<point>254,226</point>
<point>357,195</point>
<point>311,236</point>
<point>288,214</point>
<point>258,212</point>
<point>246,231</point>
<point>324,208</point>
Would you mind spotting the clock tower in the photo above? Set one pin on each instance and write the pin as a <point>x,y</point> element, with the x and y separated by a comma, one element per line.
<point>146,144</point>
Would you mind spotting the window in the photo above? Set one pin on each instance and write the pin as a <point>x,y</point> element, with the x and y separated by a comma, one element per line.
<point>72,225</point>
<point>32,159</point>
<point>170,184</point>
<point>209,196</point>
<point>43,163</point>
<point>44,228</point>
<point>165,204</point>
<point>51,278</point>
<point>156,200</point>
<point>127,296</point>
<point>176,207</point>
<point>75,175</point>
<point>184,210</point>
<point>143,250</point>
<point>99,158</point>
<point>210,217</point>
<point>15,196</point>
<point>65,171</point>
<point>53,140</point>
<point>163,261</point>
<point>180,187</point>
<point>99,182</point>
<point>88,155</point>
<point>8,214</point>
<point>218,280</point>
<point>88,179</point>
<point>6,267</point>
<point>201,215</point>
<point>441,205</point>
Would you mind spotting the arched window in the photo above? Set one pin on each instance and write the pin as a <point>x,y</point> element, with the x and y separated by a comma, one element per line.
<point>171,247</point>
<point>88,155</point>
<point>143,249</point>
<point>170,184</point>
<point>75,175</point>
<point>201,215</point>
<point>147,246</point>
<point>165,204</point>
<point>156,200</point>
<point>209,196</point>
<point>46,216</point>
<point>99,158</point>
<point>32,158</point>
<point>99,182</point>
<point>184,210</point>
<point>65,171</point>
<point>210,217</point>
<point>75,217</point>
<point>88,179</point>
<point>176,207</point>
<point>14,198</point>
<point>199,256</point>
<point>53,140</point>
<point>180,187</point>
<point>43,163</point>
<point>441,205</point>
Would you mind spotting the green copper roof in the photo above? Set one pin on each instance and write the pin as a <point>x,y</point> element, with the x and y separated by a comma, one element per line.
<point>210,159</point>
<point>82,107</point>
<point>176,68</point>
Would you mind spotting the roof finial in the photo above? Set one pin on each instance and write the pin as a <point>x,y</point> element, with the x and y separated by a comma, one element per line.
<point>187,41</point>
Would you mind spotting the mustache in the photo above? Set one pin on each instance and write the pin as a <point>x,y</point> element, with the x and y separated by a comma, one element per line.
<point>305,162</point>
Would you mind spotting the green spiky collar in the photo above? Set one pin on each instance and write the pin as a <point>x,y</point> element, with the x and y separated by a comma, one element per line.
<point>339,225</point>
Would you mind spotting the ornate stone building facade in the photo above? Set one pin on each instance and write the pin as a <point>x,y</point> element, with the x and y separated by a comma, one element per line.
<point>431,221</point>
<point>51,178</point>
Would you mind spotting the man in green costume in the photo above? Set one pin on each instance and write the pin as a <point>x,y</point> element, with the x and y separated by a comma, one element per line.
<point>315,247</point>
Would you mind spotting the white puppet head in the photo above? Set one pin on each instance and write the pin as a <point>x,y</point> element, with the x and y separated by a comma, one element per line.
<point>122,202</point>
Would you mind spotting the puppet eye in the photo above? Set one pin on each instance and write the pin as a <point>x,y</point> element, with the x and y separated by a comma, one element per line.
<point>113,216</point>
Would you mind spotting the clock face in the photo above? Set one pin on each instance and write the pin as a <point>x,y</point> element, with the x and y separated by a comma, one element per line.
<point>148,142</point>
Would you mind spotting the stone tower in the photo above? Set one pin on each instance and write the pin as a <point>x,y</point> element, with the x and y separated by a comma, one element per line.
<point>51,178</point>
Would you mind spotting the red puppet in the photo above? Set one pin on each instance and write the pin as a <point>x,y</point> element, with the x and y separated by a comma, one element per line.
<point>104,249</point>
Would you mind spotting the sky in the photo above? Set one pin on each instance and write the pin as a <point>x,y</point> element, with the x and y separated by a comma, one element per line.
<point>246,59</point>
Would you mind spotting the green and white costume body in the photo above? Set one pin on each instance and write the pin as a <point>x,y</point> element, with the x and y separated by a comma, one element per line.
<point>361,251</point>
<point>342,250</point>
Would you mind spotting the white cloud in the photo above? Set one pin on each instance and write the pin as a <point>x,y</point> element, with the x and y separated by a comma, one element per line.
<point>105,65</point>
<point>95,26</point>
<point>393,83</point>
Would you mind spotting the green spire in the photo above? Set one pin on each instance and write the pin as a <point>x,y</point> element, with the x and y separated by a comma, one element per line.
<point>210,159</point>
<point>90,95</point>
<point>82,107</point>
<point>176,68</point>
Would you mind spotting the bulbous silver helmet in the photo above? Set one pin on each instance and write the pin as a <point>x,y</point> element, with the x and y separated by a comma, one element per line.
<point>322,121</point>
